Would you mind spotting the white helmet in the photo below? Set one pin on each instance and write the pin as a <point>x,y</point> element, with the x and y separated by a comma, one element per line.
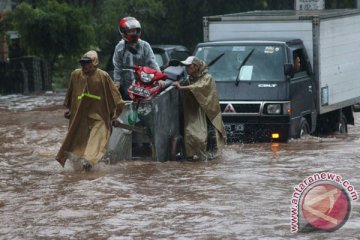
<point>126,24</point>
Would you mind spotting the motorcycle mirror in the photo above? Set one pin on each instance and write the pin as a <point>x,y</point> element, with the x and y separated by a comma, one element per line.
<point>309,68</point>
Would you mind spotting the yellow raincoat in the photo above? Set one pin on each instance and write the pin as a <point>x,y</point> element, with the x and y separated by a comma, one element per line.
<point>200,102</point>
<point>93,102</point>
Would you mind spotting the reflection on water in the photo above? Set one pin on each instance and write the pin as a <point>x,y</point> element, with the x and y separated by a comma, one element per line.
<point>245,194</point>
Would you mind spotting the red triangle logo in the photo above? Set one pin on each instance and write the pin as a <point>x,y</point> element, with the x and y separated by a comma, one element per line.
<point>229,109</point>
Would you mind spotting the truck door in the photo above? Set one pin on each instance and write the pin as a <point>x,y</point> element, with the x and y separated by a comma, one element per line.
<point>302,92</point>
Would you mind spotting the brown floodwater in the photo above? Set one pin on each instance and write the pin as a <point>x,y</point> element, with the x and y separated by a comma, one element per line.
<point>244,194</point>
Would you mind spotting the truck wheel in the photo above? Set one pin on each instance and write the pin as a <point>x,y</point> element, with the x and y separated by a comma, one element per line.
<point>341,126</point>
<point>304,128</point>
<point>177,151</point>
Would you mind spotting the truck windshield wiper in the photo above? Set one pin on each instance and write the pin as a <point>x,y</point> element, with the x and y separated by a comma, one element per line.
<point>212,62</point>
<point>242,64</point>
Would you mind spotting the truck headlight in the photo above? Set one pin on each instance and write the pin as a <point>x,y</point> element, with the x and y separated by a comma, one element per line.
<point>273,108</point>
<point>283,108</point>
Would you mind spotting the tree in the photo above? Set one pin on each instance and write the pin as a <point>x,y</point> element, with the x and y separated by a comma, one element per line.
<point>61,30</point>
<point>53,30</point>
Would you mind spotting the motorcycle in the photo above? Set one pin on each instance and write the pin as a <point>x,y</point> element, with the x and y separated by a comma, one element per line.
<point>146,83</point>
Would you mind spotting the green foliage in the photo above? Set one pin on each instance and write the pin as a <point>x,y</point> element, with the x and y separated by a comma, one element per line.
<point>53,29</point>
<point>70,27</point>
<point>62,30</point>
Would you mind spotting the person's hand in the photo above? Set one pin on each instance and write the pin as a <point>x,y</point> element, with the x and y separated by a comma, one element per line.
<point>117,84</point>
<point>176,84</point>
<point>115,123</point>
<point>161,83</point>
<point>67,114</point>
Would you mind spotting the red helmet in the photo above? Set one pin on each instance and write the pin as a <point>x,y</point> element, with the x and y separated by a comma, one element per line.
<point>129,23</point>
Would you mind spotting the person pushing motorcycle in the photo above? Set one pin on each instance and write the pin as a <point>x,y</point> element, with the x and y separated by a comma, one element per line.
<point>130,51</point>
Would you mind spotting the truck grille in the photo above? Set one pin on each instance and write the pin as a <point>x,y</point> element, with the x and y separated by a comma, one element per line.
<point>240,108</point>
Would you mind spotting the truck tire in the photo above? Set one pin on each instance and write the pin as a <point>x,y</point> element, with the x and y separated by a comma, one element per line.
<point>341,126</point>
<point>304,128</point>
<point>177,150</point>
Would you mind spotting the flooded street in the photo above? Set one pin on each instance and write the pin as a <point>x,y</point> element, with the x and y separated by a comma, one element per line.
<point>246,194</point>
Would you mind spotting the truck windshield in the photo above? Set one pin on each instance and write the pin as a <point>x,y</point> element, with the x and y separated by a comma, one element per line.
<point>244,62</point>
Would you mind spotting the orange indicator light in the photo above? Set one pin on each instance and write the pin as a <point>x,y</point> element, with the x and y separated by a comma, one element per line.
<point>275,135</point>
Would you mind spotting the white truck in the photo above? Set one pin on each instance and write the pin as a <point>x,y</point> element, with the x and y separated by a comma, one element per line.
<point>251,57</point>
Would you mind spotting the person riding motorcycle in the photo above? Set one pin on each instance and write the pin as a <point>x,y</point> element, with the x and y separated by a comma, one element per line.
<point>130,51</point>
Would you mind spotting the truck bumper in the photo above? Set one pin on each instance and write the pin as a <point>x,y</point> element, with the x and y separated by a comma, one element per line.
<point>258,129</point>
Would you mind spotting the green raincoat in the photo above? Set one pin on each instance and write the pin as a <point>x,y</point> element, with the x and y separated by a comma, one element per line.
<point>93,102</point>
<point>200,102</point>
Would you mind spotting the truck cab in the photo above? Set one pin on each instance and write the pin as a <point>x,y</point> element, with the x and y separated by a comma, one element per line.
<point>261,95</point>
<point>262,92</point>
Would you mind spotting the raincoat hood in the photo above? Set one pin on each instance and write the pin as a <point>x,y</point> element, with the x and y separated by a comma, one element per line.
<point>203,69</point>
<point>90,56</point>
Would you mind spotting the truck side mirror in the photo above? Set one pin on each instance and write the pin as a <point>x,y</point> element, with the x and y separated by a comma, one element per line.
<point>308,68</point>
<point>288,70</point>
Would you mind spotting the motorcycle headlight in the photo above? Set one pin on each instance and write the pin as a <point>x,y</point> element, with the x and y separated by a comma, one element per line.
<point>146,77</point>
